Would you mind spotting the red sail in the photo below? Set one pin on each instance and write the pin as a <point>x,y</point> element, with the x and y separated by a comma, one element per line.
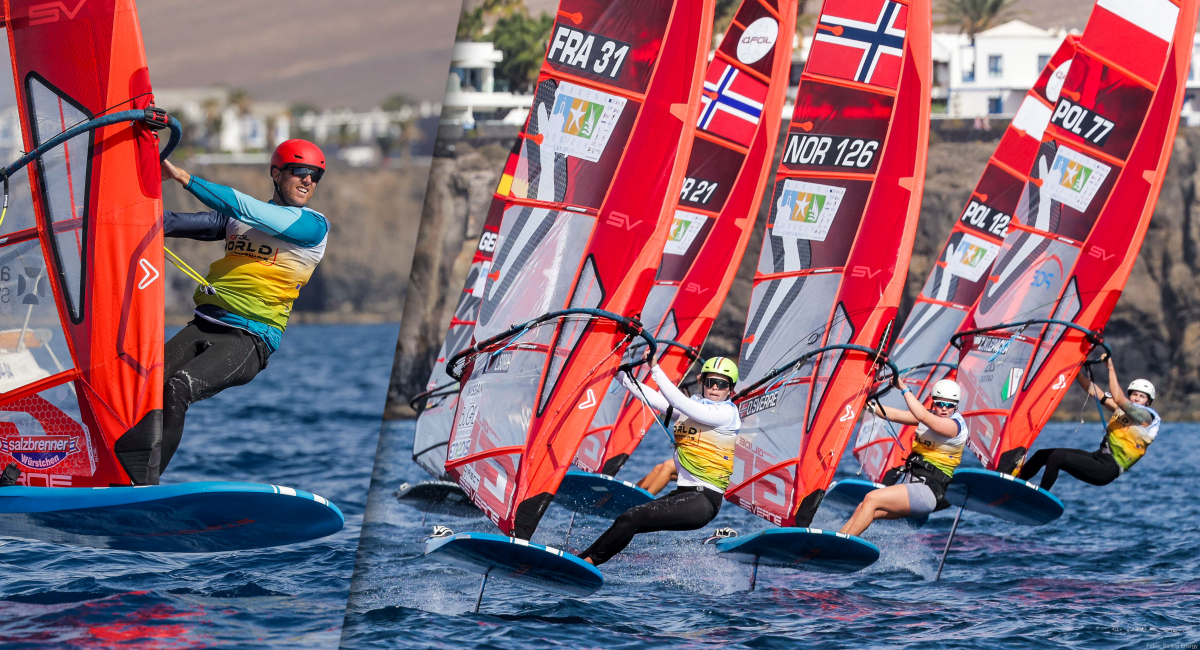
<point>82,323</point>
<point>584,228</point>
<point>714,213</point>
<point>1076,232</point>
<point>960,273</point>
<point>833,262</point>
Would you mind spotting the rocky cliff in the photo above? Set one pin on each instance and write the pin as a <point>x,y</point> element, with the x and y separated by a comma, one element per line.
<point>373,215</point>
<point>1155,328</point>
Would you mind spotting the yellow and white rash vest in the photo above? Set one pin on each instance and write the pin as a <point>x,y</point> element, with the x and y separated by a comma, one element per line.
<point>943,453</point>
<point>1127,440</point>
<point>705,433</point>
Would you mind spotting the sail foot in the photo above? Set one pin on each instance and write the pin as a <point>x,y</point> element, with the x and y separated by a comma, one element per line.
<point>140,449</point>
<point>808,508</point>
<point>529,513</point>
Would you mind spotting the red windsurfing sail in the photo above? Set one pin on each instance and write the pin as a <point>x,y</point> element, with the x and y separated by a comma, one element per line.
<point>441,392</point>
<point>737,128</point>
<point>1077,229</point>
<point>583,229</point>
<point>833,261</point>
<point>958,277</point>
<point>81,304</point>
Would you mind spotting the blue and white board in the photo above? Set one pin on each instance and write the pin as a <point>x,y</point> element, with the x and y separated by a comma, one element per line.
<point>438,497</point>
<point>811,549</point>
<point>206,517</point>
<point>497,556</point>
<point>1003,496</point>
<point>598,494</point>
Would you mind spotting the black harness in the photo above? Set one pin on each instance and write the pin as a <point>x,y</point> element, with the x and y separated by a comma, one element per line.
<point>920,470</point>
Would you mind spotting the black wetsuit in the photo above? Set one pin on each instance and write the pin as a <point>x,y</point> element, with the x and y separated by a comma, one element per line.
<point>205,357</point>
<point>1095,468</point>
<point>686,508</point>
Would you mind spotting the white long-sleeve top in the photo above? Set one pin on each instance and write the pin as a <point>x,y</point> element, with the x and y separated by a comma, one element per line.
<point>705,434</point>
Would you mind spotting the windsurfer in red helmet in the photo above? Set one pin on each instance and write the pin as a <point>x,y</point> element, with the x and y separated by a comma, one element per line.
<point>271,250</point>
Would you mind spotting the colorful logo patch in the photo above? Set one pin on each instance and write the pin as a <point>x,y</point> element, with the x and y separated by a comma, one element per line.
<point>683,232</point>
<point>39,452</point>
<point>1012,384</point>
<point>1075,178</point>
<point>582,117</point>
<point>972,258</point>
<point>806,210</point>
<point>581,121</point>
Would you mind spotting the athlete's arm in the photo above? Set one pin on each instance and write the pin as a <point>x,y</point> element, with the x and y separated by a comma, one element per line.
<point>647,395</point>
<point>940,426</point>
<point>202,226</point>
<point>1094,391</point>
<point>296,225</point>
<point>723,415</point>
<point>1136,413</point>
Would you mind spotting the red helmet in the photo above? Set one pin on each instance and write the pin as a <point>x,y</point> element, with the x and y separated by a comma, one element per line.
<point>297,152</point>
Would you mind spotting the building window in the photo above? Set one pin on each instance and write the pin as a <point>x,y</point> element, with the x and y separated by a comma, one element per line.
<point>995,65</point>
<point>1043,61</point>
<point>968,74</point>
<point>995,105</point>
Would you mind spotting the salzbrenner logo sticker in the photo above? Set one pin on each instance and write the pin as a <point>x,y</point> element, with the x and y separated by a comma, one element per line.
<point>1075,178</point>
<point>582,121</point>
<point>683,232</point>
<point>757,40</point>
<point>971,258</point>
<point>39,452</point>
<point>806,210</point>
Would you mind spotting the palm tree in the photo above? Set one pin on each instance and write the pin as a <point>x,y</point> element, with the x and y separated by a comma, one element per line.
<point>974,16</point>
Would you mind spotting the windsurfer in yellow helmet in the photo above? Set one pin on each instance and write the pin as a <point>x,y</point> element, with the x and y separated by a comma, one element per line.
<point>705,434</point>
<point>1131,429</point>
<point>937,450</point>
<point>271,250</point>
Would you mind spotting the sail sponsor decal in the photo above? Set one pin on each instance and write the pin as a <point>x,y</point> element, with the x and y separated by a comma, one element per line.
<point>971,258</point>
<point>582,121</point>
<point>860,41</point>
<point>588,52</point>
<point>758,40</point>
<point>1076,178</point>
<point>731,104</point>
<point>806,210</point>
<point>683,232</point>
<point>37,452</point>
<point>760,403</point>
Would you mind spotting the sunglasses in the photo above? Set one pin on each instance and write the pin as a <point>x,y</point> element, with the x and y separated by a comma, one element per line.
<point>716,382</point>
<point>305,172</point>
<point>945,405</point>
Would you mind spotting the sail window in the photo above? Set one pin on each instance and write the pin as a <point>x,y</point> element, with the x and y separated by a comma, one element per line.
<point>64,172</point>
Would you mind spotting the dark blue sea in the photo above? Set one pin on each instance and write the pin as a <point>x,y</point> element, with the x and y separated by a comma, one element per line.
<point>1121,569</point>
<point>310,421</point>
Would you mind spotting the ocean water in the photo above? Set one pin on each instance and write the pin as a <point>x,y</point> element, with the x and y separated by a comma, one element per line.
<point>1120,569</point>
<point>311,421</point>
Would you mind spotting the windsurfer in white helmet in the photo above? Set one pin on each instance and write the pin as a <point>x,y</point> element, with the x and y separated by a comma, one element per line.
<point>705,435</point>
<point>1131,429</point>
<point>937,450</point>
<point>271,250</point>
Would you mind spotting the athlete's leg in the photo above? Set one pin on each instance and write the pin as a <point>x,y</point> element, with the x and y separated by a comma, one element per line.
<point>214,357</point>
<point>1034,464</point>
<point>891,500</point>
<point>676,511</point>
<point>659,477</point>
<point>1077,462</point>
<point>1096,468</point>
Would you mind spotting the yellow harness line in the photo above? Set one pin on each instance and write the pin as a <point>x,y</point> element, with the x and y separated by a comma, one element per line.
<point>182,266</point>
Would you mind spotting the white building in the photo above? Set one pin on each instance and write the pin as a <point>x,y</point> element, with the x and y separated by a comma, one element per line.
<point>471,90</point>
<point>992,77</point>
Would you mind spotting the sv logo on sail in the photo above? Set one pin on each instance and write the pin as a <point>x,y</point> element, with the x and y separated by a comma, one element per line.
<point>50,12</point>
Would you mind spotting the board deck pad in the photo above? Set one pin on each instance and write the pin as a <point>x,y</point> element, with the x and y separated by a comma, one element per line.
<point>599,494</point>
<point>204,517</point>
<point>810,549</point>
<point>1004,496</point>
<point>508,558</point>
<point>437,497</point>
